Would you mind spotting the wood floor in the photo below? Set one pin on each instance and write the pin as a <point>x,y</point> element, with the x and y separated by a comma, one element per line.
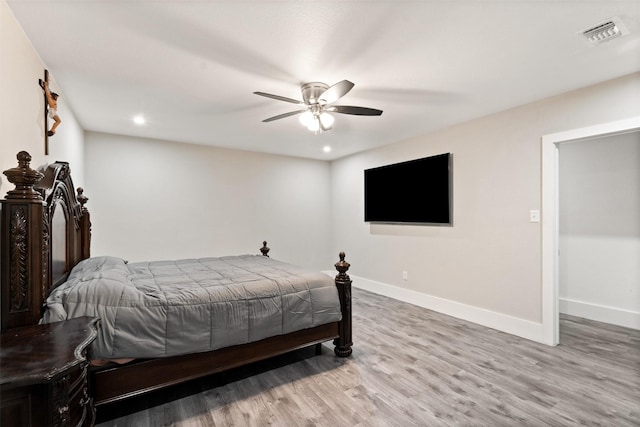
<point>414,367</point>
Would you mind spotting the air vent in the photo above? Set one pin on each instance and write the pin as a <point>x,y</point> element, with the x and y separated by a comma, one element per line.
<point>604,31</point>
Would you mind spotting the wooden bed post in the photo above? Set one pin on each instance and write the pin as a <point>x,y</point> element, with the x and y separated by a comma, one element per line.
<point>85,225</point>
<point>23,247</point>
<point>343,283</point>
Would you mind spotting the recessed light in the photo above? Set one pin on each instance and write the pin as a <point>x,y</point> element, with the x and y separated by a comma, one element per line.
<point>139,119</point>
<point>326,149</point>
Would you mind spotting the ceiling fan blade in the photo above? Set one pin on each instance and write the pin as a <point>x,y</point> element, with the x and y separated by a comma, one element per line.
<point>336,92</point>
<point>282,116</point>
<point>279,98</point>
<point>358,111</point>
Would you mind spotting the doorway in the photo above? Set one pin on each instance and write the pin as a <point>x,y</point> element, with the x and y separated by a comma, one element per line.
<point>550,214</point>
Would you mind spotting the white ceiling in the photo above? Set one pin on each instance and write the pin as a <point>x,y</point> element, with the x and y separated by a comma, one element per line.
<point>190,66</point>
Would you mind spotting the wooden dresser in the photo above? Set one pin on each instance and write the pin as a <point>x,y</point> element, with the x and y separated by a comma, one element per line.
<point>43,374</point>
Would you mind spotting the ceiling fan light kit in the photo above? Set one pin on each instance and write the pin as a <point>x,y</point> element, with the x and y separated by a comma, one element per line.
<point>318,99</point>
<point>316,120</point>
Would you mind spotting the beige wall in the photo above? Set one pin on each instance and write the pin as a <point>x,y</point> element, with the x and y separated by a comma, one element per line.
<point>22,107</point>
<point>490,258</point>
<point>152,199</point>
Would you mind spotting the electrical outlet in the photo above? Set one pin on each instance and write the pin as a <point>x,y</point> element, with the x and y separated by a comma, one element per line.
<point>405,275</point>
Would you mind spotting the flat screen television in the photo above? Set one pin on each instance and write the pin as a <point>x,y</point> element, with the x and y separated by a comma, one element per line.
<point>417,191</point>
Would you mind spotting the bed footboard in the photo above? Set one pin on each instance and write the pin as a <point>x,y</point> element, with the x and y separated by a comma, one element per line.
<point>343,343</point>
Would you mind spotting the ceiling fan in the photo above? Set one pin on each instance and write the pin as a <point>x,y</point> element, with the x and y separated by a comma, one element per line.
<point>318,99</point>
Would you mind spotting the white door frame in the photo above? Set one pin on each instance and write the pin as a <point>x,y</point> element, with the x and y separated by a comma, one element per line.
<point>550,214</point>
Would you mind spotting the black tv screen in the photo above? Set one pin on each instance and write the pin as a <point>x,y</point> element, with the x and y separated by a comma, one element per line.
<point>417,191</point>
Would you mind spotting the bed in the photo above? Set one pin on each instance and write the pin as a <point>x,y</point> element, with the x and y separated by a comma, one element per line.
<point>46,239</point>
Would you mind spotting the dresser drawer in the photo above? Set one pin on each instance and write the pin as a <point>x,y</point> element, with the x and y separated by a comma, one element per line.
<point>81,412</point>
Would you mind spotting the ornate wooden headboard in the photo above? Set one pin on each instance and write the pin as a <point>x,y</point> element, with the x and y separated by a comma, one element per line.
<point>46,231</point>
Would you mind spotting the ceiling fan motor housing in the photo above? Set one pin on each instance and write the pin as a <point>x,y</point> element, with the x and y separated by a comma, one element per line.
<point>311,92</point>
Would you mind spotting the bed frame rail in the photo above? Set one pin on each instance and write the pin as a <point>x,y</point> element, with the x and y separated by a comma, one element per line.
<point>122,382</point>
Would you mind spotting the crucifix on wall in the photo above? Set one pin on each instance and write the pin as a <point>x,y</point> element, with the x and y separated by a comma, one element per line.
<point>50,110</point>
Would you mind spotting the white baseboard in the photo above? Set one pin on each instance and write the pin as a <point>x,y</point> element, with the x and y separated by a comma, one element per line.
<point>502,322</point>
<point>600,313</point>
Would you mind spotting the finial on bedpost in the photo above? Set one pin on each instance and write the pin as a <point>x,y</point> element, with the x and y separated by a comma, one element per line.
<point>264,249</point>
<point>82,198</point>
<point>24,178</point>
<point>342,266</point>
<point>343,282</point>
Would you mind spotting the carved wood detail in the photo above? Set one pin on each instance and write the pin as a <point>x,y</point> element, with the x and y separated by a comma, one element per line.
<point>61,410</point>
<point>85,225</point>
<point>19,290</point>
<point>26,251</point>
<point>46,247</point>
<point>24,178</point>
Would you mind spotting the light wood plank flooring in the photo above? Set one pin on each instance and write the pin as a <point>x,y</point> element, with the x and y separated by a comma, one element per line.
<point>415,367</point>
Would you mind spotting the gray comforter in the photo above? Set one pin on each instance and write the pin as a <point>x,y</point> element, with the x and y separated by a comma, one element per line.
<point>167,308</point>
